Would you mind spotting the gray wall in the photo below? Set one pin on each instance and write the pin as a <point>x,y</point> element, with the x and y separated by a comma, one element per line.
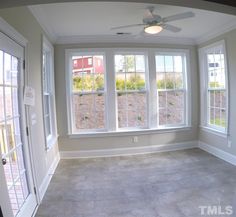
<point>69,144</point>
<point>25,23</point>
<point>212,139</point>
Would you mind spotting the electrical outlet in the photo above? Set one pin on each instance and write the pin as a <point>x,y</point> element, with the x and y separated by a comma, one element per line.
<point>135,139</point>
<point>229,143</point>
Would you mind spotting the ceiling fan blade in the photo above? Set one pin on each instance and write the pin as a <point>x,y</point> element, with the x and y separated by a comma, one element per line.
<point>178,17</point>
<point>127,26</point>
<point>139,36</point>
<point>171,28</point>
<point>149,13</point>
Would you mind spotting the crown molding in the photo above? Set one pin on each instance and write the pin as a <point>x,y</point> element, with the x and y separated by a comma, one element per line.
<point>8,30</point>
<point>42,20</point>
<point>216,32</point>
<point>124,39</point>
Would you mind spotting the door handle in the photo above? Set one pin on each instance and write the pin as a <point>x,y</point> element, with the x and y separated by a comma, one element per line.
<point>4,161</point>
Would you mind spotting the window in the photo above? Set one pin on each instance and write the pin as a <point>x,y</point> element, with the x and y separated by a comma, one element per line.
<point>126,90</point>
<point>49,112</point>
<point>171,88</point>
<point>214,79</point>
<point>89,61</point>
<point>131,91</point>
<point>88,94</point>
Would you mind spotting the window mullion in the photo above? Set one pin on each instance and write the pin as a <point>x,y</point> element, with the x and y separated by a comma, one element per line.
<point>111,107</point>
<point>152,96</point>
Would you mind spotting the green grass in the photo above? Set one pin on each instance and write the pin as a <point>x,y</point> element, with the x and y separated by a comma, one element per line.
<point>218,122</point>
<point>90,82</point>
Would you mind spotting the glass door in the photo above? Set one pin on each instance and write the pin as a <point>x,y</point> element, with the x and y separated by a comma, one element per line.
<point>13,143</point>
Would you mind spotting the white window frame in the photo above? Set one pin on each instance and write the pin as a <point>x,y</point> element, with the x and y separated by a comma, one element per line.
<point>146,91</point>
<point>204,89</point>
<point>111,94</point>
<point>47,47</point>
<point>186,86</point>
<point>69,85</point>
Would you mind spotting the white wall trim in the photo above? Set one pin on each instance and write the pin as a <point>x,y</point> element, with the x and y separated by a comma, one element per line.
<point>230,158</point>
<point>46,181</point>
<point>134,132</point>
<point>218,153</point>
<point>124,39</point>
<point>217,32</point>
<point>213,131</point>
<point>128,151</point>
<point>12,33</point>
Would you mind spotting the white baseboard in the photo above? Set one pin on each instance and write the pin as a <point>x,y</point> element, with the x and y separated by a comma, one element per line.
<point>218,153</point>
<point>46,181</point>
<point>128,151</point>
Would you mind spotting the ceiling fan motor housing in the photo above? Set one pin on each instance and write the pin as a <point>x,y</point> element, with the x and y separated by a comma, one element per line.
<point>152,20</point>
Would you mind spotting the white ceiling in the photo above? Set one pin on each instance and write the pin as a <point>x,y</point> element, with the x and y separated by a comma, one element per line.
<point>92,22</point>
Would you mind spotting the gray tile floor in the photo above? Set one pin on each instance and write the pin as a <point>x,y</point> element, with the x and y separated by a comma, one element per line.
<point>170,184</point>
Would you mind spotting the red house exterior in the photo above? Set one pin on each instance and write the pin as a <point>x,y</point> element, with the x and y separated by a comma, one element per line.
<point>88,64</point>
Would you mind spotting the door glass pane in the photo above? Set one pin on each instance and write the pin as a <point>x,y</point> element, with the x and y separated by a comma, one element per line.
<point>7,69</point>
<point>14,71</point>
<point>10,135</point>
<point>1,105</point>
<point>8,102</point>
<point>15,101</point>
<point>10,132</point>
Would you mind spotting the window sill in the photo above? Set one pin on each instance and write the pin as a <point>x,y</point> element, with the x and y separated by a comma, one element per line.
<point>214,131</point>
<point>131,132</point>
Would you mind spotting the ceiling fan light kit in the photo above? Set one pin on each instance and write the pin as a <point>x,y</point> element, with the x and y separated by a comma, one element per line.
<point>153,29</point>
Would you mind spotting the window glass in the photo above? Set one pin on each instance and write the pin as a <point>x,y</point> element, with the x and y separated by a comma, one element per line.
<point>49,112</point>
<point>127,105</point>
<point>88,103</point>
<point>171,89</point>
<point>131,91</point>
<point>216,87</point>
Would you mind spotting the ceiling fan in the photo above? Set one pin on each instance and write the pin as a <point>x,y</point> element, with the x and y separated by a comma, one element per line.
<point>154,23</point>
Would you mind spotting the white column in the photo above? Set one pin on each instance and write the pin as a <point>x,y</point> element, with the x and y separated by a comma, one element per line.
<point>111,93</point>
<point>152,96</point>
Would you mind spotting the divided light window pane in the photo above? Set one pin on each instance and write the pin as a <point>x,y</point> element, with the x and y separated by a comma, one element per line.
<point>49,111</point>
<point>130,73</point>
<point>88,101</point>
<point>216,88</point>
<point>171,89</point>
<point>47,93</point>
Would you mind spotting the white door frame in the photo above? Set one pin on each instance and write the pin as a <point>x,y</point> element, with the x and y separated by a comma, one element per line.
<point>19,39</point>
<point>4,202</point>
